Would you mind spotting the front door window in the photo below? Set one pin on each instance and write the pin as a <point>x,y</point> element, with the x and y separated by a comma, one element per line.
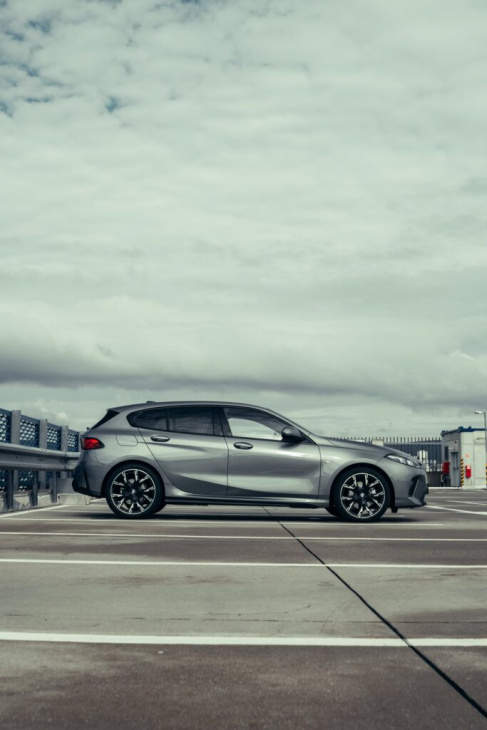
<point>248,423</point>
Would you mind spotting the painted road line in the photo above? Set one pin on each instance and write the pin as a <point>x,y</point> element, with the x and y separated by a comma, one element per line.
<point>162,536</point>
<point>456,490</point>
<point>162,563</point>
<point>90,519</point>
<point>237,524</point>
<point>235,640</point>
<point>37,510</point>
<point>408,566</point>
<point>462,501</point>
<point>452,509</point>
<point>141,535</point>
<point>388,539</point>
<point>447,642</point>
<point>220,564</point>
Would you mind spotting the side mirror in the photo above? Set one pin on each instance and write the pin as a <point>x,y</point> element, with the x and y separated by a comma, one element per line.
<point>289,433</point>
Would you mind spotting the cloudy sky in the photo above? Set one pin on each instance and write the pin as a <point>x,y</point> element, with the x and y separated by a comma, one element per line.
<point>282,202</point>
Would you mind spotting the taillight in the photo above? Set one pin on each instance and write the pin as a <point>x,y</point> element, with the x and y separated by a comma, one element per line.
<point>88,443</point>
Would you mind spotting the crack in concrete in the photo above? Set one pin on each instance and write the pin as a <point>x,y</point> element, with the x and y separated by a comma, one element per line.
<point>481,710</point>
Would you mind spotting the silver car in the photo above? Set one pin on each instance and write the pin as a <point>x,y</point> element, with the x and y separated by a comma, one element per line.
<point>141,457</point>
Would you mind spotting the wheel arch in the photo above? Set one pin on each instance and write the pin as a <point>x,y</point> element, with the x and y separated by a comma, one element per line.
<point>364,465</point>
<point>133,462</point>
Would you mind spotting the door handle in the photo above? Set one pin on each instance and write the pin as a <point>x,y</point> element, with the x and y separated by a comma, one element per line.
<point>160,439</point>
<point>243,445</point>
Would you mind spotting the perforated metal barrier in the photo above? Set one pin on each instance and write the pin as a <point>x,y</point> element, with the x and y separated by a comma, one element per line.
<point>41,446</point>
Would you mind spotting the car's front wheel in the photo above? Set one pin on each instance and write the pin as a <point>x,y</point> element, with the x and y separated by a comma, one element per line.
<point>332,510</point>
<point>361,494</point>
<point>134,492</point>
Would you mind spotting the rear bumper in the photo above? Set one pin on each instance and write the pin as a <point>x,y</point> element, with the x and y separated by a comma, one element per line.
<point>80,482</point>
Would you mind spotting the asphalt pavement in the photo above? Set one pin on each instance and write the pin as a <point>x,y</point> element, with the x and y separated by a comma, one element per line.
<point>217,617</point>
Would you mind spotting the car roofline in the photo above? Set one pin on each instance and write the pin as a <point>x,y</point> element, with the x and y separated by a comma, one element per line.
<point>159,404</point>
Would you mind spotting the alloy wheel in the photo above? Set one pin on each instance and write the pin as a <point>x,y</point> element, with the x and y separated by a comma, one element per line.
<point>133,491</point>
<point>363,496</point>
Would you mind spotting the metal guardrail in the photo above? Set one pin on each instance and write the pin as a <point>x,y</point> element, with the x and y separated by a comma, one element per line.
<point>13,456</point>
<point>34,454</point>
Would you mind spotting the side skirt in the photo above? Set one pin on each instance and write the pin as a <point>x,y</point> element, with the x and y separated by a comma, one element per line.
<point>297,504</point>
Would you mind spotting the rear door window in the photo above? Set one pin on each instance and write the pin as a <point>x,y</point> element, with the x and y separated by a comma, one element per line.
<point>191,419</point>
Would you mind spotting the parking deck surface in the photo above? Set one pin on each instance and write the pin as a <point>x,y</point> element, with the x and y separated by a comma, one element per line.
<point>238,617</point>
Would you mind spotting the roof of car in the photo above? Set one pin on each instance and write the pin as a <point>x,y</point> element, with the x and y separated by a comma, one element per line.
<point>156,404</point>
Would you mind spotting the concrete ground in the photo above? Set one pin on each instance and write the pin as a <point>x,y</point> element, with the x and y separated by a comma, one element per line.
<point>245,618</point>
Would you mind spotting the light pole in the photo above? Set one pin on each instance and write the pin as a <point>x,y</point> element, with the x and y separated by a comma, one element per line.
<point>484,414</point>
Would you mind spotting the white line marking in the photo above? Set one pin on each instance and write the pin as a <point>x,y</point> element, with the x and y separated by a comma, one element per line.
<point>34,510</point>
<point>220,564</point>
<point>197,640</point>
<point>452,509</point>
<point>233,640</point>
<point>462,501</point>
<point>162,563</point>
<point>412,566</point>
<point>447,642</point>
<point>129,535</point>
<point>313,522</point>
<point>456,490</point>
<point>391,539</point>
<point>151,523</point>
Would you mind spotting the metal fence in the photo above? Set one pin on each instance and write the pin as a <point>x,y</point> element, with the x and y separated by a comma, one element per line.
<point>425,448</point>
<point>45,448</point>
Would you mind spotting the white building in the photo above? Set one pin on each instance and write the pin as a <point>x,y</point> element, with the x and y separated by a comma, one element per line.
<point>464,457</point>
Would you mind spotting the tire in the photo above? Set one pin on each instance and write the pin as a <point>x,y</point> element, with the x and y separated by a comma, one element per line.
<point>361,494</point>
<point>134,492</point>
<point>332,510</point>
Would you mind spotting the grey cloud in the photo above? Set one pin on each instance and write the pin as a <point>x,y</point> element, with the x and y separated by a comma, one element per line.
<point>283,199</point>
<point>44,25</point>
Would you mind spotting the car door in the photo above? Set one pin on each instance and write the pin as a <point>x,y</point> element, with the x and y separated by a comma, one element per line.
<point>189,446</point>
<point>261,464</point>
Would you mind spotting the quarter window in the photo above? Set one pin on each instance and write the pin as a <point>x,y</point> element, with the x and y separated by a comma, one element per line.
<point>191,419</point>
<point>153,418</point>
<point>248,423</point>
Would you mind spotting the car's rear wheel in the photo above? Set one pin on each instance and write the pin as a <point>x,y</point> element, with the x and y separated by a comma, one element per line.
<point>361,494</point>
<point>134,492</point>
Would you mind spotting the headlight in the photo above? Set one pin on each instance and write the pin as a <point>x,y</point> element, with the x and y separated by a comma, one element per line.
<point>406,460</point>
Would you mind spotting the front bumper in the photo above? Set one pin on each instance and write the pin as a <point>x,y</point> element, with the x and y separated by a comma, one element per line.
<point>410,484</point>
<point>416,496</point>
